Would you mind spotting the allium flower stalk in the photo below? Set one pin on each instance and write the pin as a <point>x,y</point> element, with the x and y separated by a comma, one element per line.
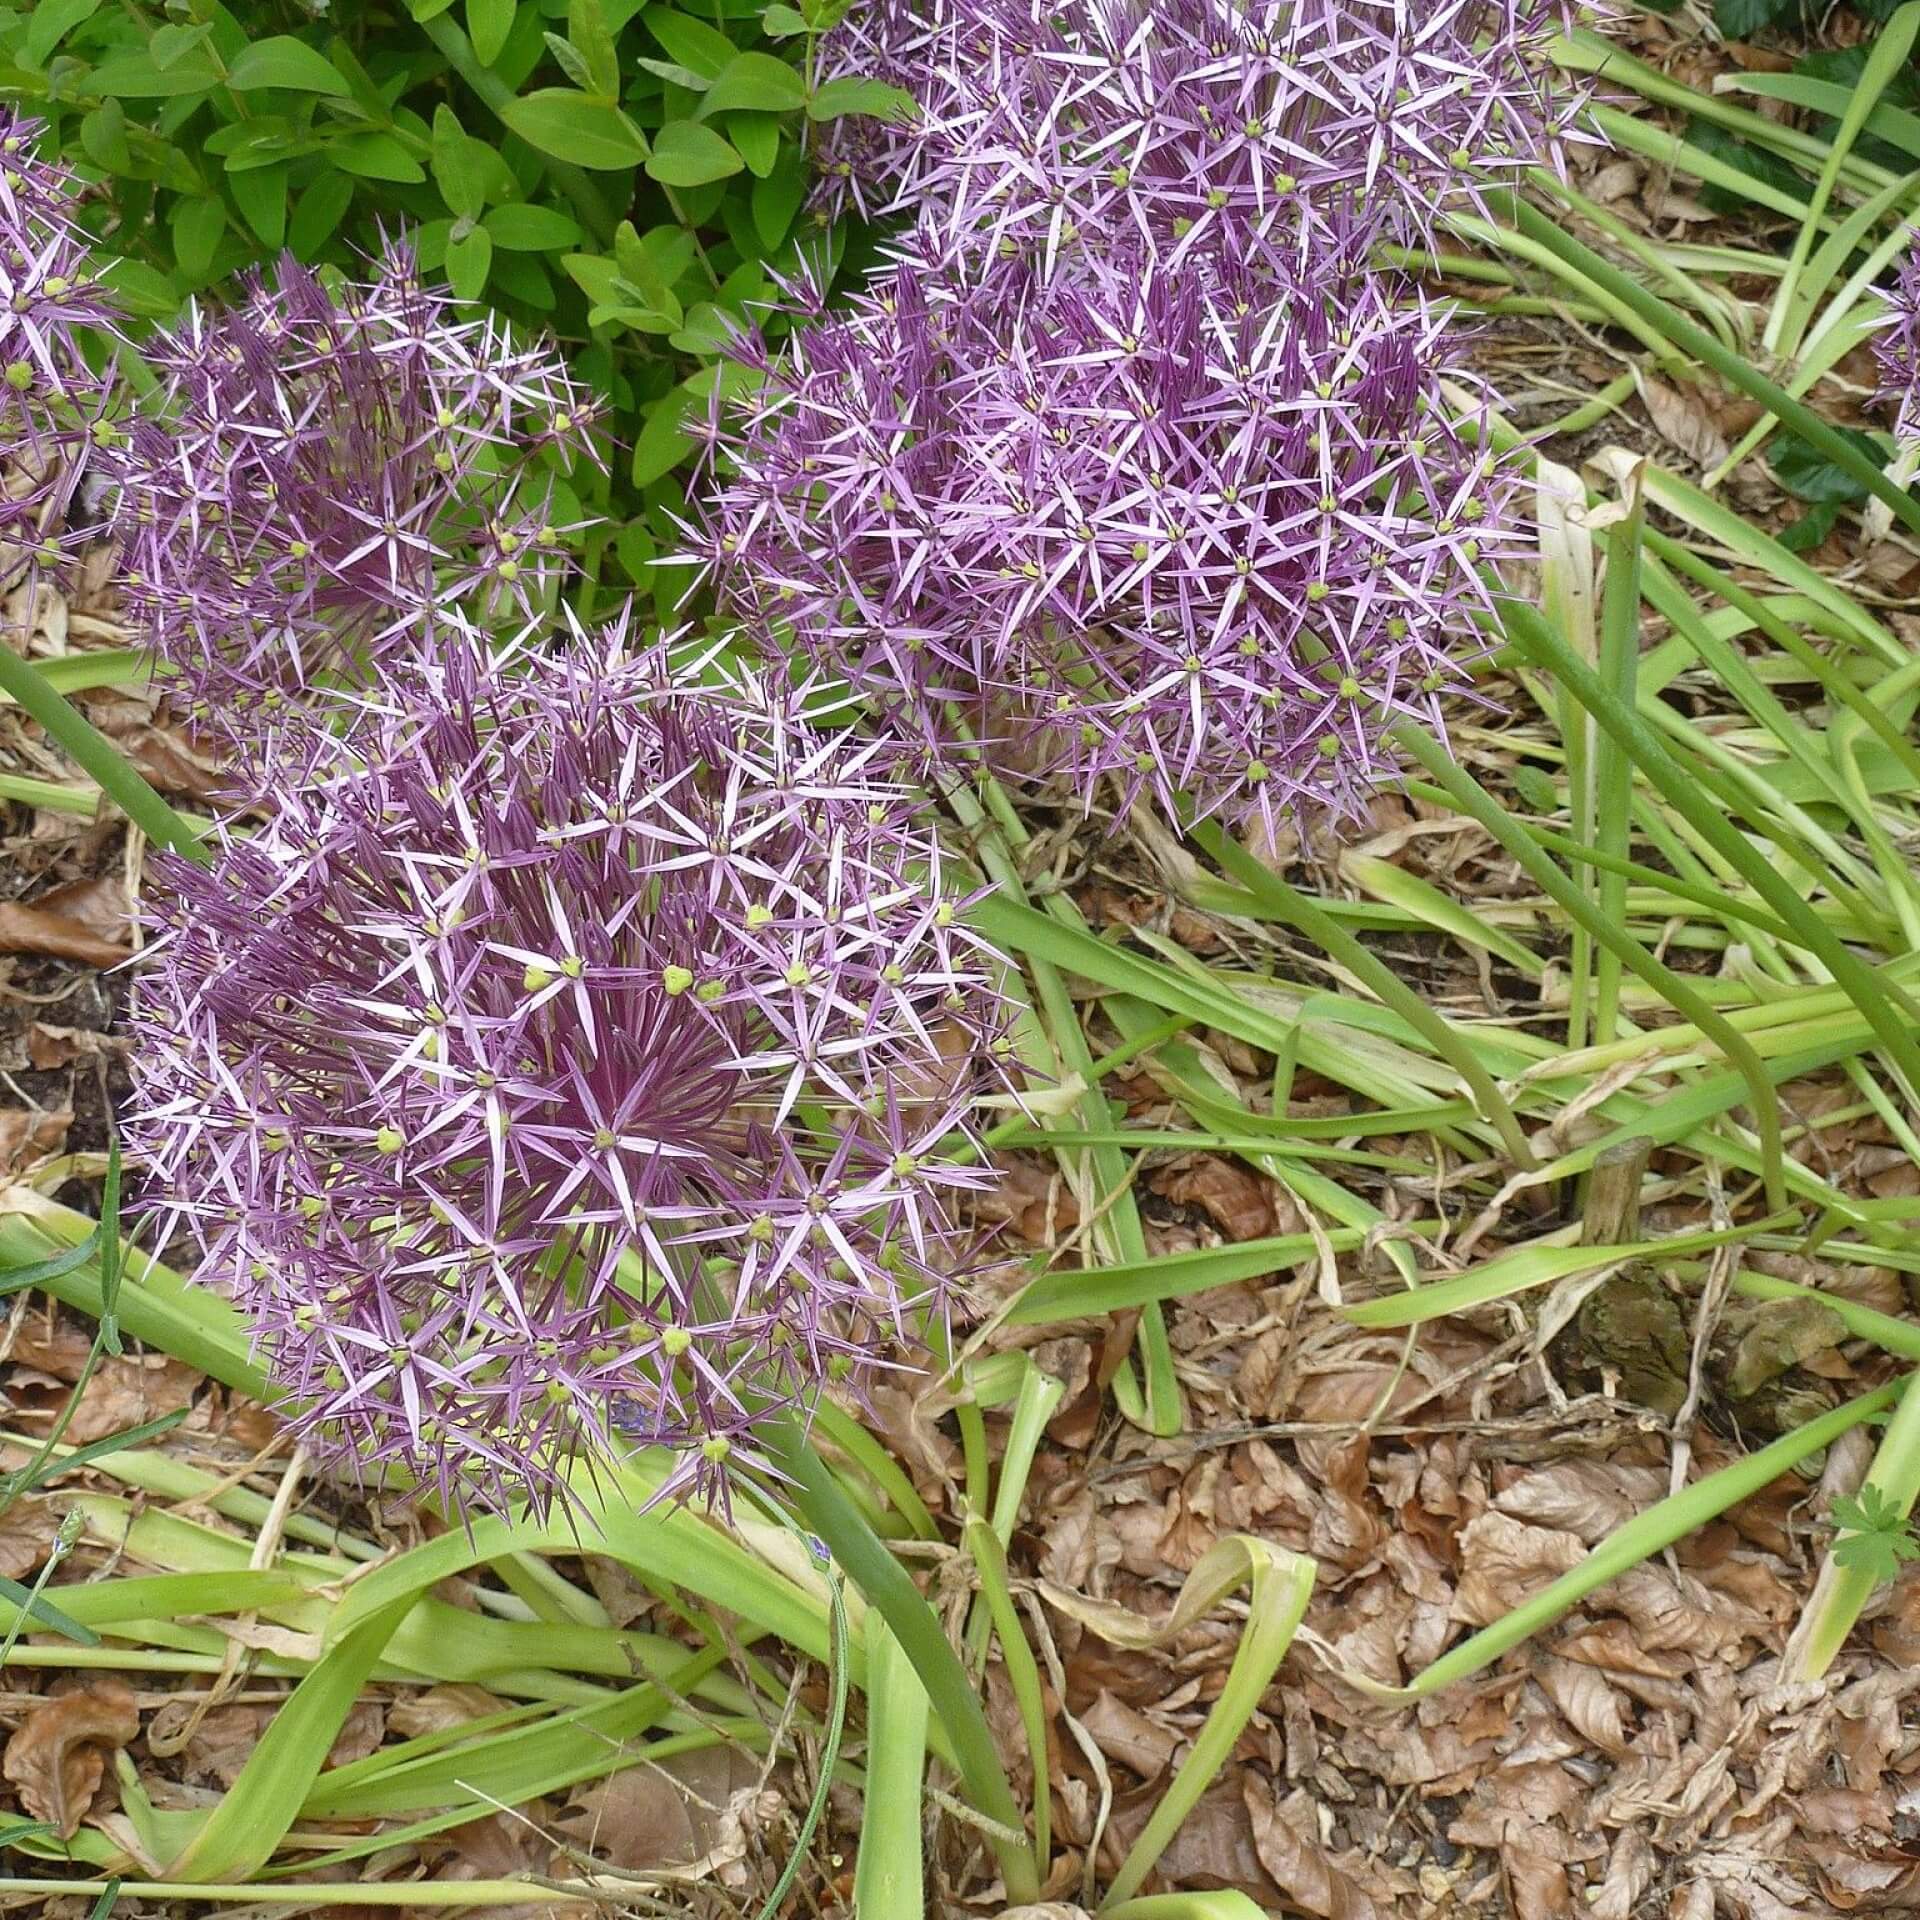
<point>1897,348</point>
<point>53,405</point>
<point>325,471</point>
<point>1207,539</point>
<point>569,1073</point>
<point>1232,129</point>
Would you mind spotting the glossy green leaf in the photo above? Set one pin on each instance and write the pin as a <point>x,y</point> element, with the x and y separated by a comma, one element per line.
<point>136,76</point>
<point>319,212</point>
<point>376,156</point>
<point>692,43</point>
<point>468,258</point>
<point>756,138</point>
<point>488,24</point>
<point>196,226</point>
<point>141,289</point>
<point>567,126</point>
<point>467,171</point>
<point>755,83</point>
<point>49,22</point>
<point>103,133</point>
<point>261,195</point>
<point>283,61</point>
<point>170,44</point>
<point>663,442</point>
<point>874,99</point>
<point>779,197</point>
<point>528,229</point>
<point>588,32</point>
<point>686,154</point>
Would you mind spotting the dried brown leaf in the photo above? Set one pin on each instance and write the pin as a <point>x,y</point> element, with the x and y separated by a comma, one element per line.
<point>26,1536</point>
<point>25,929</point>
<point>360,1733</point>
<point>126,1390</point>
<point>28,1137</point>
<point>1125,1734</point>
<point>1537,1885</point>
<point>1684,421</point>
<point>1504,1563</point>
<point>58,1755</point>
<point>1585,1497</point>
<point>1237,1201</point>
<point>221,1744</point>
<point>1629,1874</point>
<point>1286,1836</point>
<point>681,1813</point>
<point>1591,1706</point>
<point>440,1708</point>
<point>100,904</point>
<point>1213,1848</point>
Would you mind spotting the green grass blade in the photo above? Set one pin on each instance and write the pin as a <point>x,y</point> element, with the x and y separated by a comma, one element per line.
<point>1089,1296</point>
<point>1393,992</point>
<point>1887,56</point>
<point>1667,1521</point>
<point>1279,1584</point>
<point>1611,935</point>
<point>989,1556</point>
<point>260,1808</point>
<point>1737,372</point>
<point>97,757</point>
<point>888,1883</point>
<point>1613,772</point>
<point>31,1608</point>
<point>1537,1264</point>
<point>1898,1026</point>
<point>884,1583</point>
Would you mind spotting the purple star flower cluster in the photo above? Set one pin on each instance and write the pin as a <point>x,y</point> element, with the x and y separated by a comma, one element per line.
<point>1209,126</point>
<point>568,1072</point>
<point>1897,348</point>
<point>562,1051</point>
<point>1212,546</point>
<point>54,407</point>
<point>1133,462</point>
<point>323,473</point>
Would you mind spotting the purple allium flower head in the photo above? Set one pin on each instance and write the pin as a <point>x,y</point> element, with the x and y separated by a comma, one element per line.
<point>33,189</point>
<point>870,162</point>
<point>568,1073</point>
<point>1897,347</point>
<point>53,405</point>
<point>324,472</point>
<point>1227,128</point>
<point>1209,538</point>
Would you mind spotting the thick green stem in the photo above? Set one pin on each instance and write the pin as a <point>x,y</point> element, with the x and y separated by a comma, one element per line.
<point>884,1582</point>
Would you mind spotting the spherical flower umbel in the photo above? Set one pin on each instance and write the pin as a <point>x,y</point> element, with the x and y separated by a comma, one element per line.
<point>569,1074</point>
<point>1232,129</point>
<point>326,469</point>
<point>53,406</point>
<point>1211,539</point>
<point>1897,348</point>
